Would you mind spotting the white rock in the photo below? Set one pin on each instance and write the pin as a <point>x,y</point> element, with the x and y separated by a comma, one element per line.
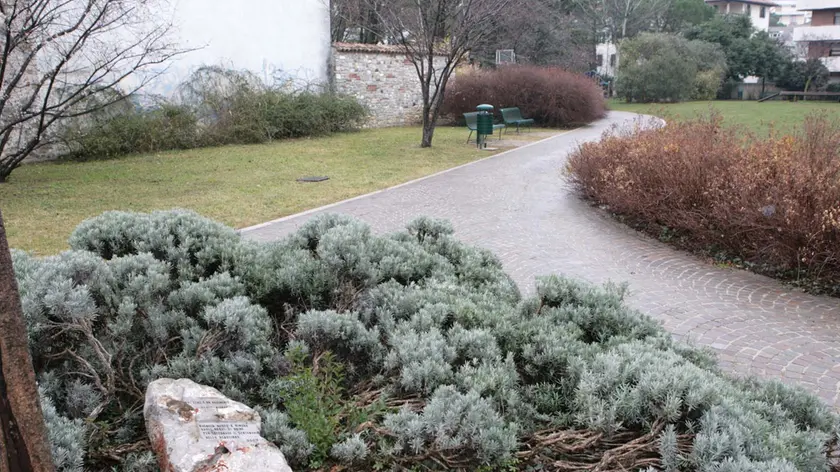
<point>194,428</point>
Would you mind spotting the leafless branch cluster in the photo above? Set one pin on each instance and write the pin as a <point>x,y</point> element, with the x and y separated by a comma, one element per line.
<point>62,59</point>
<point>543,32</point>
<point>111,367</point>
<point>618,19</point>
<point>356,20</point>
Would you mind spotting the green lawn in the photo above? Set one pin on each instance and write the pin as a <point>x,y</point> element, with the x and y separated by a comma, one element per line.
<point>757,116</point>
<point>238,185</point>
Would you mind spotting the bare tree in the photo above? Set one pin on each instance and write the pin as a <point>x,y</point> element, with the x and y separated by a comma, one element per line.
<point>541,32</point>
<point>354,20</point>
<point>615,20</point>
<point>437,35</point>
<point>62,59</point>
<point>23,438</point>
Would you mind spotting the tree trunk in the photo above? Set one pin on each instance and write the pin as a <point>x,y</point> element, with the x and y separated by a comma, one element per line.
<point>369,30</point>
<point>763,80</point>
<point>431,112</point>
<point>428,128</point>
<point>23,435</point>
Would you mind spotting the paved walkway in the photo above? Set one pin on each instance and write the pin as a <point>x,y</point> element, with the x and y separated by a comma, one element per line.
<point>517,205</point>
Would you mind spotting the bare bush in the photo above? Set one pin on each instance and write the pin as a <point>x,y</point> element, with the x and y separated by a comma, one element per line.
<point>552,96</point>
<point>771,202</point>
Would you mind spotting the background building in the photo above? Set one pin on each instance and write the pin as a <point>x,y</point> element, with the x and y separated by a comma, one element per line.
<point>757,10</point>
<point>821,38</point>
<point>605,59</point>
<point>789,15</point>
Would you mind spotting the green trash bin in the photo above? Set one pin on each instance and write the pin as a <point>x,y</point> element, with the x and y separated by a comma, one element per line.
<point>484,124</point>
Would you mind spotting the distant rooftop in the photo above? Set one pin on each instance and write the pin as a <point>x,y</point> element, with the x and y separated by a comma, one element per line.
<point>359,47</point>
<point>378,48</point>
<point>766,3</point>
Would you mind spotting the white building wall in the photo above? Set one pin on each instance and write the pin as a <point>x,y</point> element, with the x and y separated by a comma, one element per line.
<point>604,51</point>
<point>789,14</point>
<point>759,23</point>
<point>740,8</point>
<point>817,33</point>
<point>269,37</point>
<point>817,4</point>
<point>793,19</point>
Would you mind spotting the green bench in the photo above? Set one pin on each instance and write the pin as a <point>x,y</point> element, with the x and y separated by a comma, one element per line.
<point>512,116</point>
<point>472,123</point>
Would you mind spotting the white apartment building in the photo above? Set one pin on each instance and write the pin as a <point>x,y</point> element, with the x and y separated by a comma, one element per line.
<point>757,10</point>
<point>821,38</point>
<point>605,58</point>
<point>789,14</point>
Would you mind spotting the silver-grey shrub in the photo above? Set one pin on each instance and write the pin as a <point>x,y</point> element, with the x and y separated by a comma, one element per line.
<point>417,351</point>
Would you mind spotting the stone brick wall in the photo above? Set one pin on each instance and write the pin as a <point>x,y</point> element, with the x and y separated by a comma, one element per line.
<point>382,79</point>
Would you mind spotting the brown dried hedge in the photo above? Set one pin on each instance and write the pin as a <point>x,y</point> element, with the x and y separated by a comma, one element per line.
<point>550,95</point>
<point>773,203</point>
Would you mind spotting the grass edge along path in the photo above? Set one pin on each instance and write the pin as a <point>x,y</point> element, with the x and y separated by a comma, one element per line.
<point>238,185</point>
<point>757,117</point>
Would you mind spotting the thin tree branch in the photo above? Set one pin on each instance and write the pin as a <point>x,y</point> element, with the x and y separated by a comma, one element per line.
<point>58,56</point>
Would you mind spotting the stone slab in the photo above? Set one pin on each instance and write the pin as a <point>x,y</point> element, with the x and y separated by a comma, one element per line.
<point>194,428</point>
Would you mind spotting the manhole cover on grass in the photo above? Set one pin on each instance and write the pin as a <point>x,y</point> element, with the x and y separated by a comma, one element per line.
<point>314,178</point>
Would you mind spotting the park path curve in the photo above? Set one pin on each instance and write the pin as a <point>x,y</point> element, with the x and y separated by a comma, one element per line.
<point>518,205</point>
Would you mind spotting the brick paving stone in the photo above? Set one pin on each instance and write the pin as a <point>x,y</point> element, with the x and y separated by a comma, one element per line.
<point>518,205</point>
